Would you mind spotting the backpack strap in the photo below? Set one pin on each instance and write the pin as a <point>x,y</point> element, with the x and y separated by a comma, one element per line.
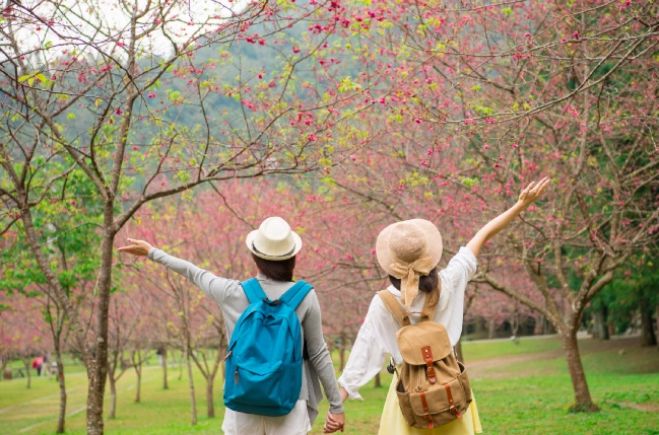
<point>253,290</point>
<point>394,307</point>
<point>296,294</point>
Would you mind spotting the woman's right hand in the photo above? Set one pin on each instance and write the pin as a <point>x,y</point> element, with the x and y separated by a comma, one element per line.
<point>140,248</point>
<point>532,192</point>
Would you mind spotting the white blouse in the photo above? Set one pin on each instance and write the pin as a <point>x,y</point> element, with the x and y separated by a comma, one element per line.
<point>377,335</point>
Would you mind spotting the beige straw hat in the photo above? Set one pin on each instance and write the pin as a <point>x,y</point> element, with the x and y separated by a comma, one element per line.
<point>407,250</point>
<point>274,240</point>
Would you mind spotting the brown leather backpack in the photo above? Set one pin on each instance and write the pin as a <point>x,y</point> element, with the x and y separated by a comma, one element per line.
<point>433,388</point>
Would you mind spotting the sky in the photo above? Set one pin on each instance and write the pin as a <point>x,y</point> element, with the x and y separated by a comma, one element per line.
<point>106,22</point>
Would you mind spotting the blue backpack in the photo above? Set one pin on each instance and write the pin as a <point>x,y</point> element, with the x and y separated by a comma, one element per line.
<point>264,358</point>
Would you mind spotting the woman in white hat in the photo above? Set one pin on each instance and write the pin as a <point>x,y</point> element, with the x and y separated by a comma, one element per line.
<point>274,247</point>
<point>409,252</point>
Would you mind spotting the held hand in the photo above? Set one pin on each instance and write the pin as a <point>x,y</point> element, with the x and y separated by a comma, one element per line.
<point>334,422</point>
<point>137,247</point>
<point>532,192</point>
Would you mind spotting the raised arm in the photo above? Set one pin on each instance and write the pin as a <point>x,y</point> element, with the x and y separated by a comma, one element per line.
<point>211,284</point>
<point>528,195</point>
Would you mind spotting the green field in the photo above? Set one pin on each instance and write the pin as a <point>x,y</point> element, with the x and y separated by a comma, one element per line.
<point>520,388</point>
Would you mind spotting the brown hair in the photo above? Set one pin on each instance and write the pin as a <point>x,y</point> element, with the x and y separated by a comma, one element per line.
<point>427,283</point>
<point>276,270</point>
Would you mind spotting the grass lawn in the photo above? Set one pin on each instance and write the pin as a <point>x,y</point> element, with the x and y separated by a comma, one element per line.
<point>521,388</point>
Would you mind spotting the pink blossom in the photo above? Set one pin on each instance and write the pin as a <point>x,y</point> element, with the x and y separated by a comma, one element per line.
<point>249,105</point>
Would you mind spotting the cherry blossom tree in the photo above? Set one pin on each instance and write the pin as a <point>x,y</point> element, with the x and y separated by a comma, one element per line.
<point>498,94</point>
<point>23,334</point>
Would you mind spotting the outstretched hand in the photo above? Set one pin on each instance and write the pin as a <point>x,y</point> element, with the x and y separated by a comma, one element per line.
<point>136,247</point>
<point>533,191</point>
<point>529,194</point>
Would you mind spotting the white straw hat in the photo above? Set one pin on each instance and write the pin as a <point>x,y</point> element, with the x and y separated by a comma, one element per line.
<point>274,240</point>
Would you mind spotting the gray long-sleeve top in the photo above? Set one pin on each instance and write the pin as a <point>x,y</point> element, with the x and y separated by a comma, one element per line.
<point>232,301</point>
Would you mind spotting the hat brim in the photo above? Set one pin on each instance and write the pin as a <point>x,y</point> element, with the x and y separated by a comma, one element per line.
<point>249,241</point>
<point>386,257</point>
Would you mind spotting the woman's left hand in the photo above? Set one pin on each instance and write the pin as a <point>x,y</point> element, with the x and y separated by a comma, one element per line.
<point>334,422</point>
<point>140,248</point>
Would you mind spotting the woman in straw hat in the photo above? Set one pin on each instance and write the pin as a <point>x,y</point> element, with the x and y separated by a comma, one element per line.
<point>409,252</point>
<point>274,247</point>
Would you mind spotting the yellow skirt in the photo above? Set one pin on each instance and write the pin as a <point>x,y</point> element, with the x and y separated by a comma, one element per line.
<point>392,421</point>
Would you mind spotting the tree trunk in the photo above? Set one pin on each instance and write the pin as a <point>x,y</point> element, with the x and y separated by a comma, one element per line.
<point>550,328</point>
<point>458,351</point>
<point>193,400</point>
<point>62,390</point>
<point>165,385</point>
<point>342,352</point>
<point>491,328</point>
<point>97,368</point>
<point>210,404</point>
<point>3,367</point>
<point>180,366</point>
<point>583,401</point>
<point>648,337</point>
<point>138,390</point>
<point>539,326</point>
<point>377,381</point>
<point>28,367</point>
<point>600,326</point>
<point>113,398</point>
<point>210,381</point>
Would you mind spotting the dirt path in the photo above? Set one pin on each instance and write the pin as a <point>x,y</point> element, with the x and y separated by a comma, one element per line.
<point>489,367</point>
<point>496,367</point>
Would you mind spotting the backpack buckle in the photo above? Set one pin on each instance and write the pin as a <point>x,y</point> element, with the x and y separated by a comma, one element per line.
<point>426,351</point>
<point>271,302</point>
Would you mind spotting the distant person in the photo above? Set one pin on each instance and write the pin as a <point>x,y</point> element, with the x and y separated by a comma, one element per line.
<point>274,247</point>
<point>409,252</point>
<point>37,364</point>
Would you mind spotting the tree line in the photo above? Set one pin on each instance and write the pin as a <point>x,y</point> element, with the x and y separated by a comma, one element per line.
<point>374,111</point>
